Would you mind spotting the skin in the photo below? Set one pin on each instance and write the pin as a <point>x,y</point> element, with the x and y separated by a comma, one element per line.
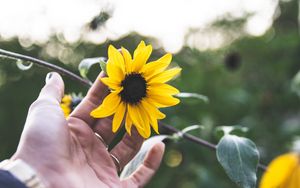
<point>66,153</point>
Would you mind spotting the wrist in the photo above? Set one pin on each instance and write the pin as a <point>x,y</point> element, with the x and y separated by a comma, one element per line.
<point>23,172</point>
<point>48,175</point>
<point>54,172</point>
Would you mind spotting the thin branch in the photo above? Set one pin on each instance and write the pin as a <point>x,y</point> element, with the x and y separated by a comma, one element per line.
<point>50,66</point>
<point>196,140</point>
<point>163,126</point>
<point>187,136</point>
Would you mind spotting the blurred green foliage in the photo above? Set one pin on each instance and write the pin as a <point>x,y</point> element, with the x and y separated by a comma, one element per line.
<point>248,84</point>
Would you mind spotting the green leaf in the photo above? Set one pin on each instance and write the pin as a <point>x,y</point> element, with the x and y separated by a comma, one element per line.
<point>296,144</point>
<point>191,128</point>
<point>103,66</point>
<point>296,84</point>
<point>24,65</point>
<point>85,65</point>
<point>139,158</point>
<point>193,95</point>
<point>238,130</point>
<point>239,157</point>
<point>21,64</point>
<point>177,136</point>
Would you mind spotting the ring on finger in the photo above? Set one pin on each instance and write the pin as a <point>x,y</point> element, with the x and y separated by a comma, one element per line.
<point>102,140</point>
<point>117,162</point>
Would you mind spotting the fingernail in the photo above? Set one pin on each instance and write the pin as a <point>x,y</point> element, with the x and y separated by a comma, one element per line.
<point>48,76</point>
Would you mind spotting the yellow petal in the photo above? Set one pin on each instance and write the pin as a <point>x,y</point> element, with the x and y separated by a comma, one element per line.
<point>297,177</point>
<point>115,57</point>
<point>142,132</point>
<point>154,125</point>
<point>66,110</point>
<point>163,101</point>
<point>279,171</point>
<point>151,114</point>
<point>112,84</point>
<point>114,72</point>
<point>127,59</point>
<point>153,109</point>
<point>294,179</point>
<point>128,124</point>
<point>164,76</point>
<point>108,107</point>
<point>141,58</point>
<point>135,116</point>
<point>147,128</point>
<point>118,117</point>
<point>67,99</point>
<point>140,47</point>
<point>155,67</point>
<point>161,89</point>
<point>137,119</point>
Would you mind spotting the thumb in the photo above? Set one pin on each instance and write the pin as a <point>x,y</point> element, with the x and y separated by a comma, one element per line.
<point>51,93</point>
<point>47,104</point>
<point>44,132</point>
<point>54,88</point>
<point>45,117</point>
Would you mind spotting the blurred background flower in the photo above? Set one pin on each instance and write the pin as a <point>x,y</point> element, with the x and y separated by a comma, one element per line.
<point>69,102</point>
<point>283,171</point>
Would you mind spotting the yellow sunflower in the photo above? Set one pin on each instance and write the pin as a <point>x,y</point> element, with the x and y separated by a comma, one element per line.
<point>138,89</point>
<point>283,172</point>
<point>69,102</point>
<point>66,105</point>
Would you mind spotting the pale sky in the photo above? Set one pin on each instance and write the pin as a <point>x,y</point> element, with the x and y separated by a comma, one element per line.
<point>166,20</point>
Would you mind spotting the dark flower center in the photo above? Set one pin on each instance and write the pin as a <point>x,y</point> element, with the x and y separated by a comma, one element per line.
<point>134,88</point>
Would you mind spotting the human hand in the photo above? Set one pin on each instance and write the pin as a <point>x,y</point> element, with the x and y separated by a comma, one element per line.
<point>67,153</point>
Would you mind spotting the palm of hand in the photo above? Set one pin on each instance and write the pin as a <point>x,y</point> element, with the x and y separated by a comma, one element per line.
<point>66,153</point>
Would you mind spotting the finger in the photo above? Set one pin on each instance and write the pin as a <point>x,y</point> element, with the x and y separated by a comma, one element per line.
<point>127,148</point>
<point>95,153</point>
<point>54,87</point>
<point>92,100</point>
<point>51,93</point>
<point>45,117</point>
<point>104,128</point>
<point>146,170</point>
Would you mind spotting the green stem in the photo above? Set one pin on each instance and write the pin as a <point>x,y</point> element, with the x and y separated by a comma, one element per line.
<point>50,66</point>
<point>163,126</point>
